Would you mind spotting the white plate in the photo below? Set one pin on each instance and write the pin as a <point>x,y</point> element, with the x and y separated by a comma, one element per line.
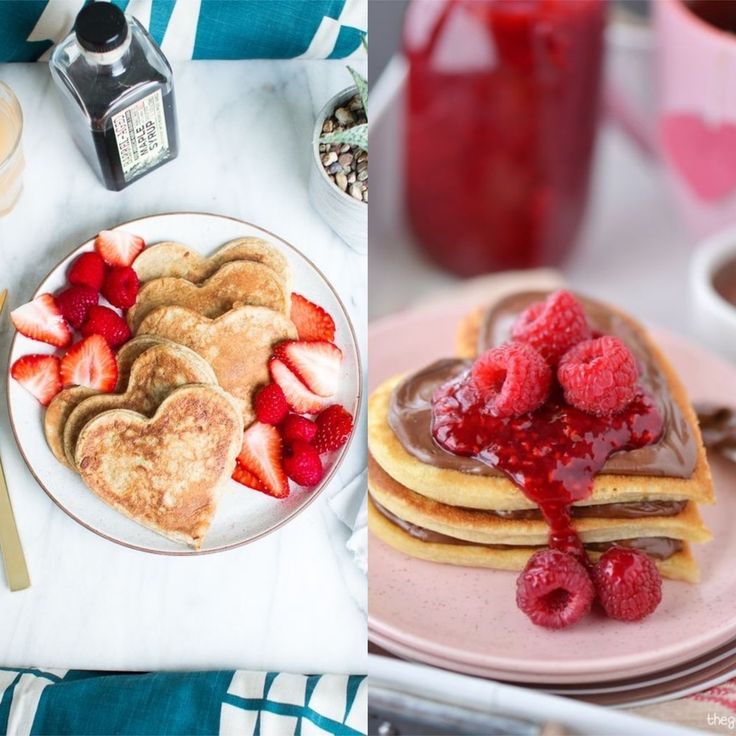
<point>243,515</point>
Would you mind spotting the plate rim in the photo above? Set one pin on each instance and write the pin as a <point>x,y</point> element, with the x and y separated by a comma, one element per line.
<point>313,495</point>
<point>706,642</point>
<point>639,695</point>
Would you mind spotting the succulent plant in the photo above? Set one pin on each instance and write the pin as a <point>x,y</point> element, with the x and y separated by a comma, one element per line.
<point>357,135</point>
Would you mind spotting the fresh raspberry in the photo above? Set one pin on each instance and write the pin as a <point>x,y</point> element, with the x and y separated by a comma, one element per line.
<point>552,326</point>
<point>103,321</point>
<point>75,303</point>
<point>302,464</point>
<point>270,404</point>
<point>628,584</point>
<point>599,376</point>
<point>514,379</point>
<point>554,590</point>
<point>88,270</point>
<point>296,427</point>
<point>121,287</point>
<point>334,426</point>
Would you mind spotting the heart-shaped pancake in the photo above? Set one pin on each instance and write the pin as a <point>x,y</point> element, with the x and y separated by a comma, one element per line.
<point>238,344</point>
<point>64,403</point>
<point>155,373</point>
<point>166,472</point>
<point>244,282</point>
<point>174,259</point>
<point>57,412</point>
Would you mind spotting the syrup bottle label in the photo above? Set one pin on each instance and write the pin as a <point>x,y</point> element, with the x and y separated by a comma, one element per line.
<point>140,132</point>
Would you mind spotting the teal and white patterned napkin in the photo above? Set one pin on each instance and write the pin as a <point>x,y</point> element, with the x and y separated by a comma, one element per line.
<point>201,29</point>
<point>41,702</point>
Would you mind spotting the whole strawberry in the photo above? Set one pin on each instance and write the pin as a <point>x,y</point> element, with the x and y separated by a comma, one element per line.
<point>88,270</point>
<point>296,427</point>
<point>103,321</point>
<point>270,404</point>
<point>628,584</point>
<point>75,303</point>
<point>334,426</point>
<point>302,464</point>
<point>121,287</point>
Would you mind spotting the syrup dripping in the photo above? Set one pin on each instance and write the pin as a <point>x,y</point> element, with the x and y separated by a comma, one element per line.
<point>552,455</point>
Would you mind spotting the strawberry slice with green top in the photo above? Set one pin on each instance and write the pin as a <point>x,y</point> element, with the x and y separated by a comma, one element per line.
<point>38,374</point>
<point>311,321</point>
<point>316,363</point>
<point>90,362</point>
<point>118,248</point>
<point>260,456</point>
<point>299,398</point>
<point>42,320</point>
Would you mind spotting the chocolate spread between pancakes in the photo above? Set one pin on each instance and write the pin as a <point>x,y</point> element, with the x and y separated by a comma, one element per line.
<point>659,547</point>
<point>675,455</point>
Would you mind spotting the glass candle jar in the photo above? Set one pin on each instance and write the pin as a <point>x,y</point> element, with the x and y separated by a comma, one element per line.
<point>503,100</point>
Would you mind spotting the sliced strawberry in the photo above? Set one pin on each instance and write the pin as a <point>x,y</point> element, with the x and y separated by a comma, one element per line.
<point>39,374</point>
<point>299,398</point>
<point>118,248</point>
<point>246,478</point>
<point>42,320</point>
<point>316,363</point>
<point>310,320</point>
<point>90,362</point>
<point>260,456</point>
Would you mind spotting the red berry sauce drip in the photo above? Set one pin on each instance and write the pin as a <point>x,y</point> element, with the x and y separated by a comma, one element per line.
<point>552,455</point>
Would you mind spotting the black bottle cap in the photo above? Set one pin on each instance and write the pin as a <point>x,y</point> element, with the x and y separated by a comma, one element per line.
<point>101,27</point>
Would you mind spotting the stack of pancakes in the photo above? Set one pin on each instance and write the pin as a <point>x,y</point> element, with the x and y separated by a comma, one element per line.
<point>162,445</point>
<point>438,506</point>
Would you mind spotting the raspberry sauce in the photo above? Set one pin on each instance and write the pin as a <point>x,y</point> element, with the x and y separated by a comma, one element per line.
<point>552,455</point>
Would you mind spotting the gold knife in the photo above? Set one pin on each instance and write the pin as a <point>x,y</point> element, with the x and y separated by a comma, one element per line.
<point>16,570</point>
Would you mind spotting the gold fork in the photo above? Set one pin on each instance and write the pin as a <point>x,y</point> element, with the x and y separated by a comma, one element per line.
<point>16,571</point>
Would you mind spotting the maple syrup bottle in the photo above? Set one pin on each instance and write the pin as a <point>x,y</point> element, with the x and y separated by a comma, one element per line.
<point>118,95</point>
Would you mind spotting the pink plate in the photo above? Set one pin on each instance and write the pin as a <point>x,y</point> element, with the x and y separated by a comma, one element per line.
<point>687,678</point>
<point>468,616</point>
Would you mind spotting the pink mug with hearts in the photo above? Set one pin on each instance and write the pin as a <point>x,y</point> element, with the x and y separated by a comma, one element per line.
<point>696,127</point>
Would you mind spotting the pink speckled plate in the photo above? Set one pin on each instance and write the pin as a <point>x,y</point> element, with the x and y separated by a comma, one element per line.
<point>687,678</point>
<point>468,616</point>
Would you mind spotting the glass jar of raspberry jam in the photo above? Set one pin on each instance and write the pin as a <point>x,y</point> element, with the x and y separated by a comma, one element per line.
<point>501,119</point>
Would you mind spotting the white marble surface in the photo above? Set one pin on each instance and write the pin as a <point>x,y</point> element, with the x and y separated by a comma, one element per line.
<point>290,602</point>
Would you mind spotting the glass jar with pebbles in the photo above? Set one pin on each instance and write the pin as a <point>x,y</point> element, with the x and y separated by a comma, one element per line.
<point>338,183</point>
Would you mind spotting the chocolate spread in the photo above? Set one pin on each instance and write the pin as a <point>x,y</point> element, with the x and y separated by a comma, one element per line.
<point>659,547</point>
<point>628,510</point>
<point>718,426</point>
<point>410,411</point>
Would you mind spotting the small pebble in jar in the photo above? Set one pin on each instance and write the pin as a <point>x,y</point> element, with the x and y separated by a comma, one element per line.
<point>345,164</point>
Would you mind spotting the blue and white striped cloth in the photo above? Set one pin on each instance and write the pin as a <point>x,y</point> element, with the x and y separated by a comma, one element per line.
<point>40,702</point>
<point>201,29</point>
